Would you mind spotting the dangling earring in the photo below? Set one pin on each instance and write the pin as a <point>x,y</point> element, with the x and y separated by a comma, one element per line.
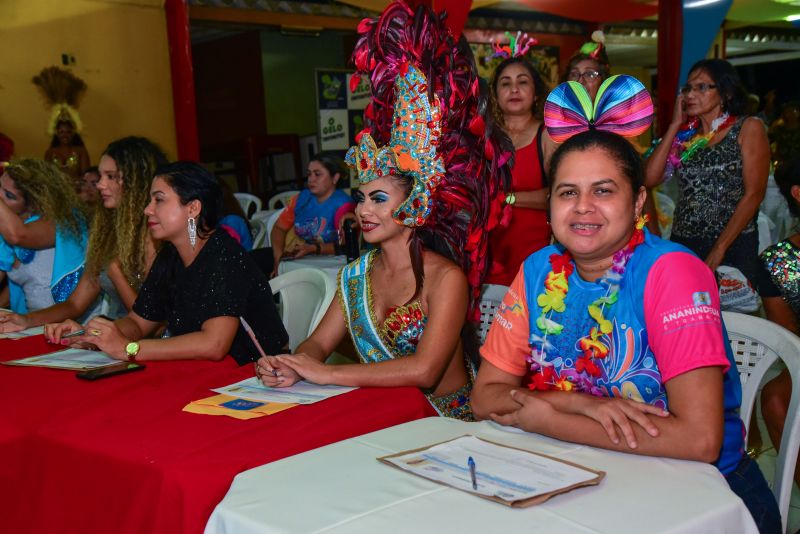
<point>192,231</point>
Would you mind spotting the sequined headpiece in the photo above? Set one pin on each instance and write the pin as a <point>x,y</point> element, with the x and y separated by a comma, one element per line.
<point>412,147</point>
<point>517,46</point>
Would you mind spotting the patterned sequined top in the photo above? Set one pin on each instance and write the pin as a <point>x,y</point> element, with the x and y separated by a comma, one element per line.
<point>711,184</point>
<point>782,261</point>
<point>396,336</point>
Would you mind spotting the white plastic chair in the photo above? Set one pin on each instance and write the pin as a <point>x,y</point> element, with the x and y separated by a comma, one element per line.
<point>757,344</point>
<point>262,215</point>
<point>767,231</point>
<point>246,201</point>
<point>273,218</point>
<point>259,233</point>
<point>491,298</point>
<point>305,294</point>
<point>282,198</point>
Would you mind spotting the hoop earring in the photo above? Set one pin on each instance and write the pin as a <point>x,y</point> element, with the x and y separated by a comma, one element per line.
<point>192,227</point>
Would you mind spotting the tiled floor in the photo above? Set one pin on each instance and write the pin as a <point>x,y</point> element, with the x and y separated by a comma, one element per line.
<point>766,462</point>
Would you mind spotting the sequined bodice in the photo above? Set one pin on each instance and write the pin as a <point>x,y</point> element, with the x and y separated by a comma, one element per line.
<point>70,164</point>
<point>711,184</point>
<point>402,328</point>
<point>782,261</point>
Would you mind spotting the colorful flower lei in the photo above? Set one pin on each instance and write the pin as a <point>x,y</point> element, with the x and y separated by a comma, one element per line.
<point>552,300</point>
<point>688,142</point>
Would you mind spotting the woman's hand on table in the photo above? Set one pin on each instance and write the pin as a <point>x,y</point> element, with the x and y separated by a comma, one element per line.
<point>12,322</point>
<point>273,372</point>
<point>53,332</point>
<point>618,413</point>
<point>307,368</point>
<point>105,335</point>
<point>530,413</point>
<point>301,249</point>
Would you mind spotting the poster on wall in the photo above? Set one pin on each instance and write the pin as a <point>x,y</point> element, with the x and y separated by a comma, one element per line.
<point>543,57</point>
<point>340,109</point>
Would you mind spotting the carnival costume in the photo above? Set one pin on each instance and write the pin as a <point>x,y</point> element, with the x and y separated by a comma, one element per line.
<point>427,110</point>
<point>67,265</point>
<point>63,91</point>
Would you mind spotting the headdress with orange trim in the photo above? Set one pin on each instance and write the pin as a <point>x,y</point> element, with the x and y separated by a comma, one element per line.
<point>437,131</point>
<point>412,147</point>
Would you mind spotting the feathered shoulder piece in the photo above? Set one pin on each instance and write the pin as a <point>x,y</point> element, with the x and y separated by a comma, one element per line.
<point>63,91</point>
<point>406,51</point>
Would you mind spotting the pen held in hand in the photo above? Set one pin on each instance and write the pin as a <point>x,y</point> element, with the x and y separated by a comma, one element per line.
<point>253,338</point>
<point>473,475</point>
<point>76,333</point>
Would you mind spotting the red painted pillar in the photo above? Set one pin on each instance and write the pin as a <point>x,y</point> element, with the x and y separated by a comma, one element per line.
<point>670,37</point>
<point>180,62</point>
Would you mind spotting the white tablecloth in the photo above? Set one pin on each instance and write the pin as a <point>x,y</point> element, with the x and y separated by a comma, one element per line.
<point>329,264</point>
<point>342,488</point>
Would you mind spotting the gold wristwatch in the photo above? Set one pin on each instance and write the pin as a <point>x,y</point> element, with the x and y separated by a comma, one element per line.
<point>132,349</point>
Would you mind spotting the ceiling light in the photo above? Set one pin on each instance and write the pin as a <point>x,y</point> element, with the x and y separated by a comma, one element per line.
<point>699,3</point>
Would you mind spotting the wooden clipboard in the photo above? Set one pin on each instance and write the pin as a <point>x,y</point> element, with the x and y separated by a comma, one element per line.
<point>519,503</point>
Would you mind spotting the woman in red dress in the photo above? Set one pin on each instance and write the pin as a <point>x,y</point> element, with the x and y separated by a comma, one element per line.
<point>518,96</point>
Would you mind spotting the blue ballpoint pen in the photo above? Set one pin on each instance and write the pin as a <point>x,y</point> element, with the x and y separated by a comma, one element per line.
<point>472,474</point>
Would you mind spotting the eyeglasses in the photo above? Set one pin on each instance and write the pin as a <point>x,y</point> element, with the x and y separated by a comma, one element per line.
<point>701,88</point>
<point>576,75</point>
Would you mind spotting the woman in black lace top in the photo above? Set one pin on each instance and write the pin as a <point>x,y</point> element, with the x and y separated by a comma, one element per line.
<point>200,284</point>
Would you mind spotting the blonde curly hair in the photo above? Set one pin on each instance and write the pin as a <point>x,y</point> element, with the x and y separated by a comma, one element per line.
<point>50,193</point>
<point>122,232</point>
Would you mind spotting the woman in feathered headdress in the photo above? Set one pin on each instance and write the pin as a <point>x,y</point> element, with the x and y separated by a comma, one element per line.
<point>425,200</point>
<point>613,337</point>
<point>63,91</point>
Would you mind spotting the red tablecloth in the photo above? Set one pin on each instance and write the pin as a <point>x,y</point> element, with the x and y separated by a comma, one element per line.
<point>118,455</point>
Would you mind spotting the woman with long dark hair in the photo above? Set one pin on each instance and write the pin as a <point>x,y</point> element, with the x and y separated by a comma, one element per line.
<point>201,283</point>
<point>425,200</point>
<point>517,96</point>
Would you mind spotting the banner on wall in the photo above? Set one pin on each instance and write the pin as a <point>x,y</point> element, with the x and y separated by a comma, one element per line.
<point>340,110</point>
<point>701,24</point>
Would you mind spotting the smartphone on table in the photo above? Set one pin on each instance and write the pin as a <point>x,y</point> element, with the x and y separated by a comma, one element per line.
<point>111,370</point>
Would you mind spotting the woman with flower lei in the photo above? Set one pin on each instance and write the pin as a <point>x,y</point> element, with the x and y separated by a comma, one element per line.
<point>613,337</point>
<point>722,162</point>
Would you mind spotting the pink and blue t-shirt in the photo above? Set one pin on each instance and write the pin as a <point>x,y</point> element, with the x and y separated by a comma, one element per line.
<point>315,221</point>
<point>666,322</point>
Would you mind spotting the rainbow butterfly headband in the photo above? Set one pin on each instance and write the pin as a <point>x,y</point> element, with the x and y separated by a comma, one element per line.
<point>412,148</point>
<point>622,106</point>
